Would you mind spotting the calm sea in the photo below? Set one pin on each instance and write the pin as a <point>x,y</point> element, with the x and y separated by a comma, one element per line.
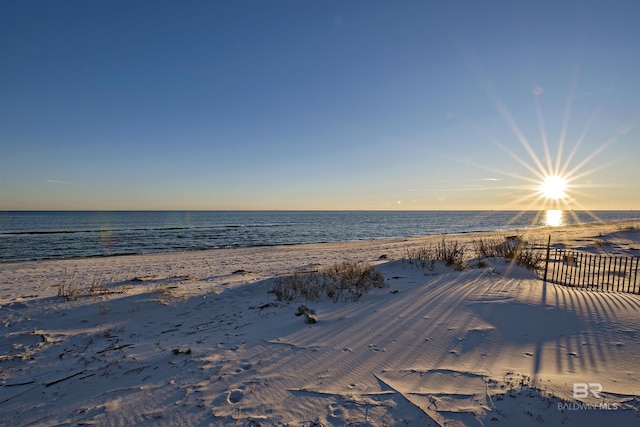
<point>38,235</point>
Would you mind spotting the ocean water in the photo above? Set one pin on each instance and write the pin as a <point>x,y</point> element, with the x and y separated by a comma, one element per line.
<point>36,235</point>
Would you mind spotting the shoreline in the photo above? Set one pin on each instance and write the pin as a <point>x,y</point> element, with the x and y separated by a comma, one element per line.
<point>625,223</point>
<point>104,236</point>
<point>234,266</point>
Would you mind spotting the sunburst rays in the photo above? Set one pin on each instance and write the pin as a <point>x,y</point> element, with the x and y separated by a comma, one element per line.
<point>551,183</point>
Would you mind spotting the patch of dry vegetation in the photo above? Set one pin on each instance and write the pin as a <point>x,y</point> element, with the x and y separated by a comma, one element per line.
<point>452,253</point>
<point>456,255</point>
<point>514,249</point>
<point>72,288</point>
<point>346,281</point>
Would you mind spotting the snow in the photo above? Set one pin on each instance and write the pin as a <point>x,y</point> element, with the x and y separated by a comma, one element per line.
<point>197,339</point>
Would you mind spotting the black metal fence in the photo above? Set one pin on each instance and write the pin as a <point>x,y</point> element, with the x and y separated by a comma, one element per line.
<point>595,272</point>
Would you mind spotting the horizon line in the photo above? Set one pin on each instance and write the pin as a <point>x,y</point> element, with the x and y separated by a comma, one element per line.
<point>316,210</point>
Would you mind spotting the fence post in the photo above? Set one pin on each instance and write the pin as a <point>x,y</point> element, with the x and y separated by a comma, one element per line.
<point>635,277</point>
<point>625,273</point>
<point>632,280</point>
<point>581,270</point>
<point>561,268</point>
<point>564,267</point>
<point>602,265</point>
<point>546,264</point>
<point>568,277</point>
<point>632,283</point>
<point>576,270</point>
<point>585,273</point>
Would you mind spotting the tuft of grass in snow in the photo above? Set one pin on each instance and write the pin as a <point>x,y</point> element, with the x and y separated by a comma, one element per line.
<point>347,281</point>
<point>423,257</point>
<point>513,249</point>
<point>71,288</point>
<point>456,255</point>
<point>68,287</point>
<point>452,253</point>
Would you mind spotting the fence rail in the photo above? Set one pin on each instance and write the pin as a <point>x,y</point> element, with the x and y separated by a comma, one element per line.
<point>595,272</point>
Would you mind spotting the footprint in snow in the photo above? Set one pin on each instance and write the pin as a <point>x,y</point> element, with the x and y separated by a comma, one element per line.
<point>235,396</point>
<point>244,367</point>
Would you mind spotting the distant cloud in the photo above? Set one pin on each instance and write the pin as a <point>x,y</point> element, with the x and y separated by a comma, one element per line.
<point>491,179</point>
<point>56,181</point>
<point>537,90</point>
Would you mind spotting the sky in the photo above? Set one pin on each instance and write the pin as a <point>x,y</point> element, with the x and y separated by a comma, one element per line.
<point>370,105</point>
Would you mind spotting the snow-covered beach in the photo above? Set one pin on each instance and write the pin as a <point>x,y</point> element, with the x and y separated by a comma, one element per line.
<point>196,338</point>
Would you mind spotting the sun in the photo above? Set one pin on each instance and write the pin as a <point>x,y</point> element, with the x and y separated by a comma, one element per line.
<point>553,187</point>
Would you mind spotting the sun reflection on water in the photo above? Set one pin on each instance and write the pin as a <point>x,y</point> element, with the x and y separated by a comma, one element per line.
<point>554,218</point>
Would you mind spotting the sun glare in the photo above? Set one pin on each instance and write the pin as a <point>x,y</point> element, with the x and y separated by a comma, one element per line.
<point>554,187</point>
<point>551,182</point>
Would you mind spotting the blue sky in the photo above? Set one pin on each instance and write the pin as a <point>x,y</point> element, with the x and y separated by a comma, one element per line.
<point>318,105</point>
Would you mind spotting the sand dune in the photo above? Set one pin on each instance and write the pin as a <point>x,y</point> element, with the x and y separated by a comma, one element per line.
<point>197,339</point>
